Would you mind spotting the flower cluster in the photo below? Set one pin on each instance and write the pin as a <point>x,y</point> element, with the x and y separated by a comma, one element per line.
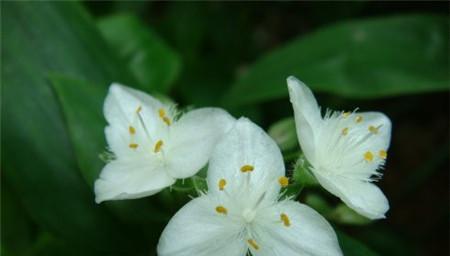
<point>243,210</point>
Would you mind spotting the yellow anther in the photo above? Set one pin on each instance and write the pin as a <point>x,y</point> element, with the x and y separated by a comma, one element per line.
<point>368,156</point>
<point>382,154</point>
<point>162,112</point>
<point>162,115</point>
<point>373,129</point>
<point>222,184</point>
<point>158,146</point>
<point>221,209</point>
<point>345,131</point>
<point>285,219</point>
<point>247,168</point>
<point>131,130</point>
<point>359,119</point>
<point>345,114</point>
<point>133,145</point>
<point>138,109</point>
<point>166,120</point>
<point>284,181</point>
<point>253,244</point>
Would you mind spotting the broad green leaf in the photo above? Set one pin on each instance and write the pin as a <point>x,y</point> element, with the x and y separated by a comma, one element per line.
<point>352,247</point>
<point>82,105</point>
<point>154,64</point>
<point>17,227</point>
<point>38,157</point>
<point>369,58</point>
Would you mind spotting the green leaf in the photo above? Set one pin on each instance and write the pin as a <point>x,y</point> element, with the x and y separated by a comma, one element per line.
<point>318,203</point>
<point>284,134</point>
<point>368,58</point>
<point>352,247</point>
<point>17,228</point>
<point>302,173</point>
<point>154,64</point>
<point>38,157</point>
<point>343,214</point>
<point>82,105</point>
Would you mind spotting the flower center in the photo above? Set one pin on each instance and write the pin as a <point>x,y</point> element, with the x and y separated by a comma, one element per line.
<point>249,215</point>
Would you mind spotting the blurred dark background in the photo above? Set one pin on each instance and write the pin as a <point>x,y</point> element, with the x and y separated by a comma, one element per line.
<point>217,43</point>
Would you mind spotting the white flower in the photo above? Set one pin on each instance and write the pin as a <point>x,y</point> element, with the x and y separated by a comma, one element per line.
<point>152,149</point>
<point>241,210</point>
<point>344,149</point>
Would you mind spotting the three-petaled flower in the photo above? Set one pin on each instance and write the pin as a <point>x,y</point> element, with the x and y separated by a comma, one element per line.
<point>345,150</point>
<point>151,147</point>
<point>241,211</point>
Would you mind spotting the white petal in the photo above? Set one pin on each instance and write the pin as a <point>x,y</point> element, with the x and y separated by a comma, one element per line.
<point>308,232</point>
<point>384,125</point>
<point>197,229</point>
<point>131,179</point>
<point>194,137</point>
<point>353,146</point>
<point>246,144</point>
<point>120,110</point>
<point>362,196</point>
<point>307,115</point>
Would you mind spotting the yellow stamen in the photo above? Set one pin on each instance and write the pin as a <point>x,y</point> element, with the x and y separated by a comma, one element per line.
<point>162,115</point>
<point>166,120</point>
<point>373,129</point>
<point>158,146</point>
<point>345,114</point>
<point>131,130</point>
<point>345,131</point>
<point>133,145</point>
<point>138,109</point>
<point>221,209</point>
<point>284,181</point>
<point>247,168</point>
<point>285,219</point>
<point>162,112</point>
<point>253,244</point>
<point>222,184</point>
<point>359,119</point>
<point>368,156</point>
<point>382,154</point>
